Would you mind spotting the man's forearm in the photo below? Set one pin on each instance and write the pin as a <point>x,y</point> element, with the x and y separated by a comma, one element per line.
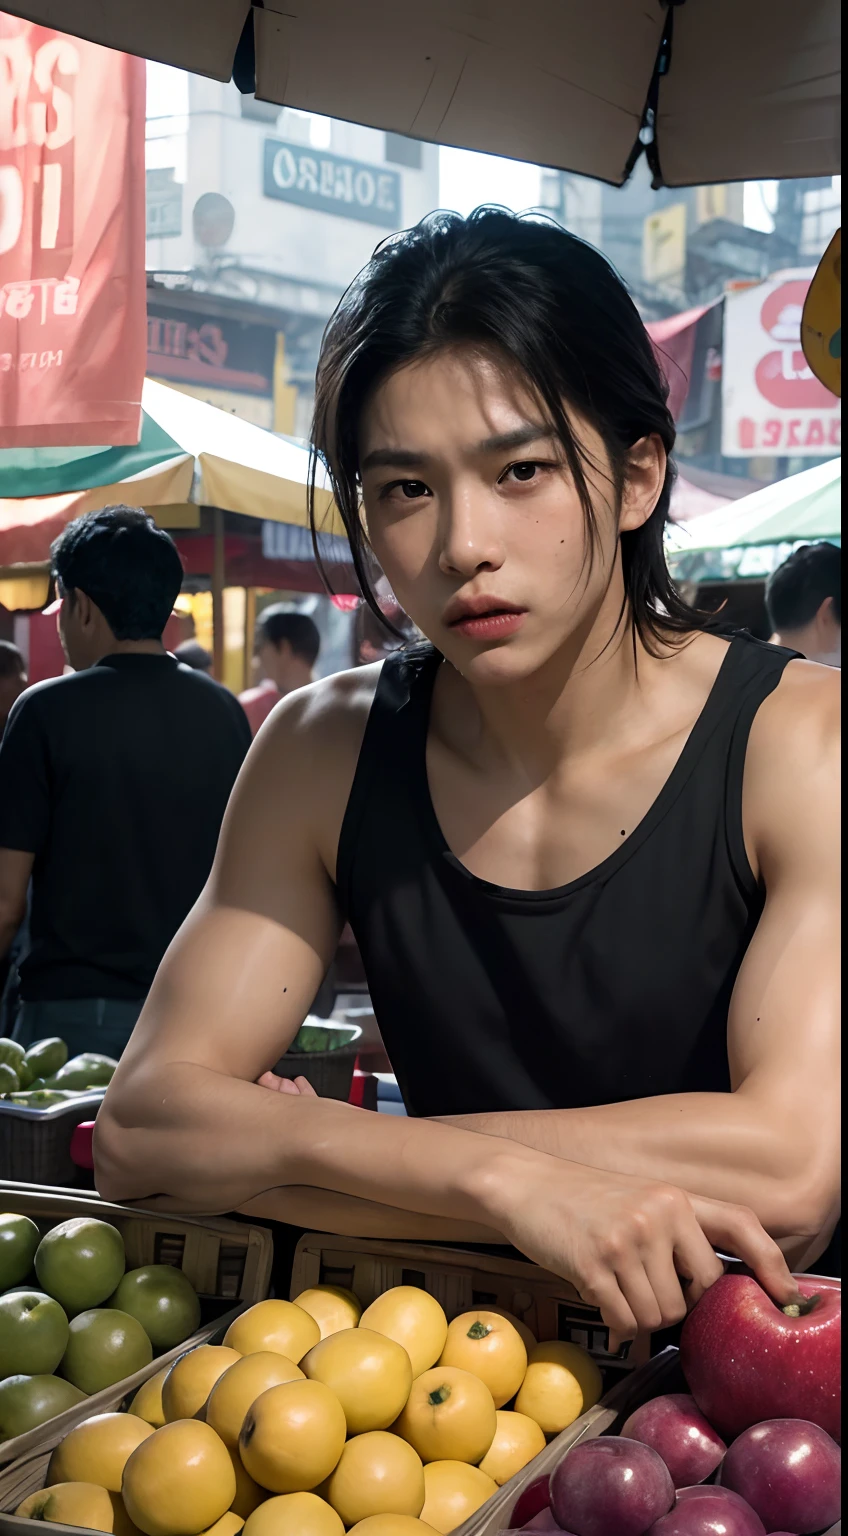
<point>725,1146</point>
<point>207,1142</point>
<point>322,1210</point>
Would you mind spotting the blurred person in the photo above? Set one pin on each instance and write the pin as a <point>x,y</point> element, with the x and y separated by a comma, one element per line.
<point>113,784</point>
<point>12,679</point>
<point>192,654</point>
<point>804,603</point>
<point>607,980</point>
<point>285,650</point>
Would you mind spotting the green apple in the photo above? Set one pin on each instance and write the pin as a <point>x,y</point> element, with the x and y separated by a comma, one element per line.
<point>163,1301</point>
<point>27,1401</point>
<point>19,1238</point>
<point>90,1070</point>
<point>8,1079</point>
<point>80,1262</point>
<point>33,1333</point>
<point>46,1057</point>
<point>12,1054</point>
<point>104,1346</point>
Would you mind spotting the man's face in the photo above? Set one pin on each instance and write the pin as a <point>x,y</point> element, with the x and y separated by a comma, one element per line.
<point>477,523</point>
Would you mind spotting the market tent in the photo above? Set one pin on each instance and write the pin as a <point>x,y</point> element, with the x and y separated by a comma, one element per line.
<point>717,92</point>
<point>189,454</point>
<point>804,507</point>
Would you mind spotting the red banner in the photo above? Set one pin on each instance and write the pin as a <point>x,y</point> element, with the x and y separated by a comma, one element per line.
<point>72,210</point>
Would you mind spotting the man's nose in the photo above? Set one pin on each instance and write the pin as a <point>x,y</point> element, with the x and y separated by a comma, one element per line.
<point>470,537</point>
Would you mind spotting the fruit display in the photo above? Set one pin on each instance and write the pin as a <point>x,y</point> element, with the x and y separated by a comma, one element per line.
<point>74,1320</point>
<point>313,1417</point>
<point>749,1450</point>
<point>43,1075</point>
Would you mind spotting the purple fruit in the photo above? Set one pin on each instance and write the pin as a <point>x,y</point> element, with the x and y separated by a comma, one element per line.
<point>611,1487</point>
<point>789,1471</point>
<point>535,1498</point>
<point>676,1429</point>
<point>699,1514</point>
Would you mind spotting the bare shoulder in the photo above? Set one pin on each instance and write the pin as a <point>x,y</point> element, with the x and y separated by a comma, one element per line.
<point>792,779</point>
<point>302,763</point>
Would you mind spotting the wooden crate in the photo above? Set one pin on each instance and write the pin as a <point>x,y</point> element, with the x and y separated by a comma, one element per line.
<point>29,1470</point>
<point>226,1261</point>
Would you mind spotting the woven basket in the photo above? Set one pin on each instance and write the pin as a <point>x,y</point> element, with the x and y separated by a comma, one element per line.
<point>329,1072</point>
<point>35,1144</point>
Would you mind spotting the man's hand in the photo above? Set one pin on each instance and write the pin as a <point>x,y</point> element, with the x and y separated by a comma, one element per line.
<point>296,1085</point>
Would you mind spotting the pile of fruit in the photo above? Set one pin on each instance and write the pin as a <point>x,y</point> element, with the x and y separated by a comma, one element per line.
<point>69,1306</point>
<point>751,1450</point>
<point>43,1075</point>
<point>312,1416</point>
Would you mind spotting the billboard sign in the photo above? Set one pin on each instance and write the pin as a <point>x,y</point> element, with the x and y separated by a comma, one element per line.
<point>72,284</point>
<point>772,402</point>
<point>315,179</point>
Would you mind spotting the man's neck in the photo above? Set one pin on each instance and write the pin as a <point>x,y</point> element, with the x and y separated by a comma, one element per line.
<point>298,675</point>
<point>136,648</point>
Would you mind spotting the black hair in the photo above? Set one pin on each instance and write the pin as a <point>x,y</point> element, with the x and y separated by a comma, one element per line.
<point>551,305</point>
<point>12,663</point>
<point>192,654</point>
<point>797,589</point>
<point>127,566</point>
<point>276,624</point>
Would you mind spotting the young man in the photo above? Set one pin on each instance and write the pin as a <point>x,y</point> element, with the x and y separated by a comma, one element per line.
<point>285,650</point>
<point>113,784</point>
<point>586,847</point>
<point>804,603</point>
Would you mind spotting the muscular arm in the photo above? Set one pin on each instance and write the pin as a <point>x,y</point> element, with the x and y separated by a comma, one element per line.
<point>773,1142</point>
<point>185,1120</point>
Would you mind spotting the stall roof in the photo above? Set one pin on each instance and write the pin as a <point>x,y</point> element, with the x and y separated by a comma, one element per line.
<point>741,90</point>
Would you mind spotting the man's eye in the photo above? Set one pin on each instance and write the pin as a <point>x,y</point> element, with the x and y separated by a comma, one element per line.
<point>524,471</point>
<point>412,490</point>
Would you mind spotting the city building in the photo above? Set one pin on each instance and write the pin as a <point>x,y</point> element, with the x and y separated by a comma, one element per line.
<point>257,219</point>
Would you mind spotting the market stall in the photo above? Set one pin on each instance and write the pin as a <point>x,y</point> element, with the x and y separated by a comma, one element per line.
<point>214,481</point>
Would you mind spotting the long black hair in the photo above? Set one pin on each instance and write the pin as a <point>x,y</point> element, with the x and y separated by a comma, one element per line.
<point>551,305</point>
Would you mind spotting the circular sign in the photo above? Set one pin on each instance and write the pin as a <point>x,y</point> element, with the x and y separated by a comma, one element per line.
<point>213,219</point>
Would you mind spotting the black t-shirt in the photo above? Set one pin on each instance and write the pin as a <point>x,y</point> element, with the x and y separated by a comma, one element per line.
<point>116,779</point>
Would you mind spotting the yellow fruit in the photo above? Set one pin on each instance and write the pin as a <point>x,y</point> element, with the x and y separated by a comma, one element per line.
<point>147,1403</point>
<point>391,1525</point>
<point>191,1378</point>
<point>180,1481</point>
<point>377,1474</point>
<point>98,1450</point>
<point>517,1440</point>
<point>80,1504</point>
<point>249,1495</point>
<point>239,1387</point>
<point>293,1436</point>
<point>228,1525</point>
<point>453,1492</point>
<point>488,1346</point>
<point>369,1374</point>
<point>527,1334</point>
<point>413,1318</point>
<point>295,1514</point>
<point>332,1307</point>
<point>562,1381</point>
<point>450,1416</point>
<point>276,1325</point>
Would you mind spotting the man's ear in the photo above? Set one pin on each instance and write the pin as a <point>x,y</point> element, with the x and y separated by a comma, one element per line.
<point>644,480</point>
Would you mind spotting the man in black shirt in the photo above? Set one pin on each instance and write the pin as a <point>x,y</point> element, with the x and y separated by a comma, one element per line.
<point>113,784</point>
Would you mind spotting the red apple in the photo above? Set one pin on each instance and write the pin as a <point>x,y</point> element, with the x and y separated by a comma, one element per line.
<point>535,1498</point>
<point>675,1428</point>
<point>789,1471</point>
<point>746,1360</point>
<point>701,1515</point>
<point>611,1487</point>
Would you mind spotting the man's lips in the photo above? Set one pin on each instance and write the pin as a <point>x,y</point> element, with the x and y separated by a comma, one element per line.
<point>461,611</point>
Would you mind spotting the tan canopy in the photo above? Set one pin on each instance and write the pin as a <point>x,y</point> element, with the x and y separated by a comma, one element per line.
<point>752,88</point>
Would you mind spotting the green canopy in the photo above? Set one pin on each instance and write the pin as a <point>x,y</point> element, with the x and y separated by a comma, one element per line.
<point>751,536</point>
<point>28,472</point>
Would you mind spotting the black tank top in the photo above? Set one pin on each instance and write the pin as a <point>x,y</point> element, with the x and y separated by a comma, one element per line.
<point>615,986</point>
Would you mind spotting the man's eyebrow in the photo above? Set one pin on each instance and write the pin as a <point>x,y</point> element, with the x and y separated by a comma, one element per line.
<point>501,442</point>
